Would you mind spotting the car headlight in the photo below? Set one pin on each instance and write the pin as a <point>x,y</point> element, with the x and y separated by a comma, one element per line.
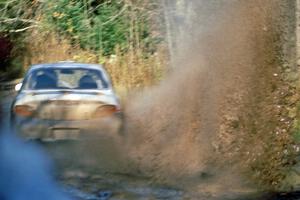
<point>24,110</point>
<point>105,111</point>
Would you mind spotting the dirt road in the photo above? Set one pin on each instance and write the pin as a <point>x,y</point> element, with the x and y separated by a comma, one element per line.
<point>216,128</point>
<point>105,174</point>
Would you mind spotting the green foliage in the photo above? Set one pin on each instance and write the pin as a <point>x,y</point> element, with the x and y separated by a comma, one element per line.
<point>17,16</point>
<point>16,69</point>
<point>99,25</point>
<point>14,18</point>
<point>297,135</point>
<point>296,130</point>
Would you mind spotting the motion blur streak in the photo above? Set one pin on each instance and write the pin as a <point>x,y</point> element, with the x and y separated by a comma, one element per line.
<point>25,171</point>
<point>198,125</point>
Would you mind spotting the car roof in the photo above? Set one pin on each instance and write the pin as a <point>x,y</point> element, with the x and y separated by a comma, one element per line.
<point>66,64</point>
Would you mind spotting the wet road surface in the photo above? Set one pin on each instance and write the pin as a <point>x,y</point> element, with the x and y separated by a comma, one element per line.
<point>87,175</point>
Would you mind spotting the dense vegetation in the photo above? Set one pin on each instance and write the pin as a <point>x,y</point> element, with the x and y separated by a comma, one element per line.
<point>124,34</point>
<point>102,25</point>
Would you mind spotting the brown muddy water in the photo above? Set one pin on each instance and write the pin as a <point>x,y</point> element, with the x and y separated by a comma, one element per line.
<point>205,130</point>
<point>207,126</point>
<point>202,133</point>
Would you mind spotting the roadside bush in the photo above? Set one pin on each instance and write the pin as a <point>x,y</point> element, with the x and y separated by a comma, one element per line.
<point>100,25</point>
<point>10,64</point>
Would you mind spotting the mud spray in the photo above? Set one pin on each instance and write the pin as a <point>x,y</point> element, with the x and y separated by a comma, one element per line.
<point>209,126</point>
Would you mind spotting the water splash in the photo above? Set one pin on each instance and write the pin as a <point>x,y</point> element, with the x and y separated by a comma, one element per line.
<point>195,129</point>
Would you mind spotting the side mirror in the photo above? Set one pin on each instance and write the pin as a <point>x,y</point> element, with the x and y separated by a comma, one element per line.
<point>18,87</point>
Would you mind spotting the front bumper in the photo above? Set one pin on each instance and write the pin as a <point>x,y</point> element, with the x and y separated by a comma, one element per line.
<point>51,130</point>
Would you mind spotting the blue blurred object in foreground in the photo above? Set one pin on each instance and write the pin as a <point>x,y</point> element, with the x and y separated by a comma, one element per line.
<point>25,171</point>
<point>105,195</point>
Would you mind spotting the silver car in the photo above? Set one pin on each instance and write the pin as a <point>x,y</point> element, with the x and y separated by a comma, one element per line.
<point>65,100</point>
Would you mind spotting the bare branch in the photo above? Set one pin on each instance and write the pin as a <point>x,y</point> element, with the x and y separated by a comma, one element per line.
<point>116,16</point>
<point>23,29</point>
<point>12,20</point>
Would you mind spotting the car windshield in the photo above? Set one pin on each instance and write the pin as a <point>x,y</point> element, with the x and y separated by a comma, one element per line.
<point>66,78</point>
